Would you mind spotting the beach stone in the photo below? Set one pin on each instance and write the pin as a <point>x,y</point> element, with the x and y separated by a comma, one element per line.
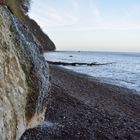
<point>24,78</point>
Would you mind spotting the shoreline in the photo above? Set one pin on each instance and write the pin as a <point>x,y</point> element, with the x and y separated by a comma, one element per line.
<point>79,107</point>
<point>82,86</point>
<point>94,79</point>
<point>123,69</point>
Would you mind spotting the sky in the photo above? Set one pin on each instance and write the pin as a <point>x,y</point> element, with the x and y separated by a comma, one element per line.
<point>90,25</point>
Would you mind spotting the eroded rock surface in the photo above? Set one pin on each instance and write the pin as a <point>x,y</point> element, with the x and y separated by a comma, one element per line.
<point>23,78</point>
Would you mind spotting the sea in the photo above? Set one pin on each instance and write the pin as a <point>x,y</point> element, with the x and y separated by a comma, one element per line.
<point>116,68</point>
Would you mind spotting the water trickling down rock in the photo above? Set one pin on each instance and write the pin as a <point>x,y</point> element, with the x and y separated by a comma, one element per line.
<point>24,81</point>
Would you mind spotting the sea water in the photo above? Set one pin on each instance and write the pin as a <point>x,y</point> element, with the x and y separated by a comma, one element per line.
<point>122,69</point>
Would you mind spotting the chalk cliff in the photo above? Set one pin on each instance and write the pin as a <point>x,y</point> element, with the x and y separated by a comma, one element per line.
<point>24,78</point>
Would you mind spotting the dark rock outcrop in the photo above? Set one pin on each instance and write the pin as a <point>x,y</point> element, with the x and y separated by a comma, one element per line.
<point>76,63</point>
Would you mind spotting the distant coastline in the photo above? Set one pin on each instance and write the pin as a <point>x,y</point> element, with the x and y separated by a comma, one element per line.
<point>130,52</point>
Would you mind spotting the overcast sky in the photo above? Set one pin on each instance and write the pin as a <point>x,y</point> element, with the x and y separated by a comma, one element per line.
<point>98,25</point>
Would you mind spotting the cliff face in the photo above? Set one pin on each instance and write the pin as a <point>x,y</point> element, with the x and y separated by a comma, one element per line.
<point>44,42</point>
<point>20,8</point>
<point>24,78</point>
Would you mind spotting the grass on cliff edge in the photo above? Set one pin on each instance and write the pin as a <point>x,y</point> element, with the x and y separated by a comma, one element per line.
<point>16,7</point>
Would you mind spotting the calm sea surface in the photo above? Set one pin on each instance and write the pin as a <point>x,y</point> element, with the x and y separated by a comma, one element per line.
<point>124,69</point>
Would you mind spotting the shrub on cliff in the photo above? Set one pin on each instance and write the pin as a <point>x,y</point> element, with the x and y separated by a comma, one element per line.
<point>25,5</point>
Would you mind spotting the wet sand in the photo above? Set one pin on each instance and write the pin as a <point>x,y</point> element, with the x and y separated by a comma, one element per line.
<point>82,108</point>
